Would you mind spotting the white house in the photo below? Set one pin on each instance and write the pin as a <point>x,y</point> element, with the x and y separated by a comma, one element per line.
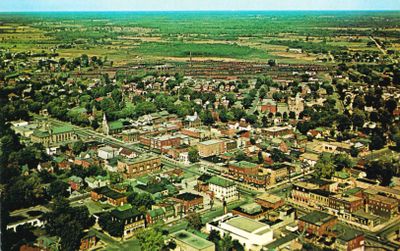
<point>253,235</point>
<point>95,182</point>
<point>107,152</point>
<point>222,189</point>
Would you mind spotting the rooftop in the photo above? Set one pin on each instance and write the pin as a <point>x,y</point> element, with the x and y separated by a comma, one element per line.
<point>140,158</point>
<point>211,142</point>
<point>244,164</point>
<point>192,240</point>
<point>220,182</point>
<point>188,196</point>
<point>125,212</point>
<point>317,218</point>
<point>269,198</point>
<point>61,129</point>
<point>246,224</point>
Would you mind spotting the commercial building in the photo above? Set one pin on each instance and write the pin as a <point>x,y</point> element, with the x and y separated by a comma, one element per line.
<point>186,241</point>
<point>317,223</point>
<point>131,219</point>
<point>381,206</point>
<point>211,148</point>
<point>189,201</point>
<point>269,200</point>
<point>249,173</point>
<point>253,235</point>
<point>139,165</point>
<point>222,189</point>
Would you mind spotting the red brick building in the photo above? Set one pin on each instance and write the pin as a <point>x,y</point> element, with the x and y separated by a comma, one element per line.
<point>111,196</point>
<point>249,173</point>
<point>189,201</point>
<point>139,165</point>
<point>160,142</point>
<point>269,201</point>
<point>347,203</point>
<point>317,223</point>
<point>381,205</point>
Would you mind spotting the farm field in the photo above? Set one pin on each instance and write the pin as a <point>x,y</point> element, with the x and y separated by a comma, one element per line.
<point>136,37</point>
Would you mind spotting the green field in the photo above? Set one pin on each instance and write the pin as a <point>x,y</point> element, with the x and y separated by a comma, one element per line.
<point>131,37</point>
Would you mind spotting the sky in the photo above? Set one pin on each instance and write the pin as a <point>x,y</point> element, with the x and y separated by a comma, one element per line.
<point>193,5</point>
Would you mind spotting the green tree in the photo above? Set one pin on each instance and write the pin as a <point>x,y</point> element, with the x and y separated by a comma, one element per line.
<point>358,118</point>
<point>194,220</point>
<point>378,141</point>
<point>342,161</point>
<point>344,122</point>
<point>150,240</point>
<point>68,223</point>
<point>142,201</point>
<point>214,237</point>
<point>58,188</point>
<point>396,139</point>
<point>193,155</point>
<point>324,168</point>
<point>226,243</point>
<point>78,147</point>
<point>207,118</point>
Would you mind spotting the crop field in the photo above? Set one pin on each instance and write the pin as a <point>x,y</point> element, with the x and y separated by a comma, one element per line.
<point>135,37</point>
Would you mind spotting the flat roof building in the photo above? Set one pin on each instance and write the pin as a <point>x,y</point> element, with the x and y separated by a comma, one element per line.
<point>253,235</point>
<point>186,241</point>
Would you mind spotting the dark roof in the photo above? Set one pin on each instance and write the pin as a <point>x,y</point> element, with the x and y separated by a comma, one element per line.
<point>345,233</point>
<point>125,214</point>
<point>188,196</point>
<point>319,181</point>
<point>108,192</point>
<point>204,177</point>
<point>317,218</point>
<point>322,192</point>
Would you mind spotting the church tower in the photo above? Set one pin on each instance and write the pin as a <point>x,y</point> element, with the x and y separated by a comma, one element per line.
<point>104,125</point>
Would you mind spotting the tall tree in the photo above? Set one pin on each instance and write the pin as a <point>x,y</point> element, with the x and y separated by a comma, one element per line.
<point>324,168</point>
<point>193,155</point>
<point>150,239</point>
<point>194,220</point>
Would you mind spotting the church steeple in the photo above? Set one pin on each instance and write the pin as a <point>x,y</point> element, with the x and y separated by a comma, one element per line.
<point>104,125</point>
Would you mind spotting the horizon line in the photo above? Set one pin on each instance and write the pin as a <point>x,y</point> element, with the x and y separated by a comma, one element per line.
<point>227,10</point>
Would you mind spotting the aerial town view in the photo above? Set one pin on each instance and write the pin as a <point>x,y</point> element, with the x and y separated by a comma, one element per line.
<point>188,125</point>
